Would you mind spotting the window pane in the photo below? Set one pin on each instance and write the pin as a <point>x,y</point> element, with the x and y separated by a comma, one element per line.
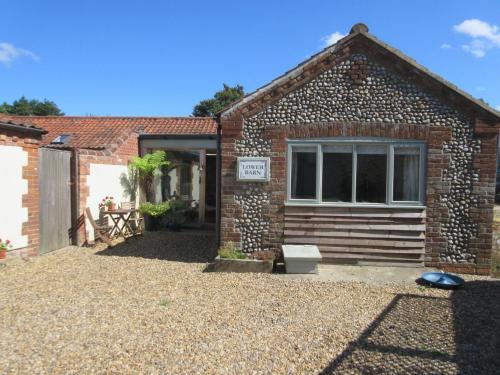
<point>371,174</point>
<point>337,173</point>
<point>406,173</point>
<point>303,182</point>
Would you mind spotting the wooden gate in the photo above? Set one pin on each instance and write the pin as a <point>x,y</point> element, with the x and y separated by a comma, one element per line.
<point>55,199</point>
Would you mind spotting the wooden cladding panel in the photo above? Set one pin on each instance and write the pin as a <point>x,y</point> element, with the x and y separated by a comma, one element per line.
<point>359,235</point>
<point>55,199</point>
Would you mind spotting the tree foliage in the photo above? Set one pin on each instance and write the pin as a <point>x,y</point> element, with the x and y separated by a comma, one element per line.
<point>33,107</point>
<point>221,99</point>
<point>147,167</point>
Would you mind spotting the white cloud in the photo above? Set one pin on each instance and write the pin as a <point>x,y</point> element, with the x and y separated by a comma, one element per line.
<point>479,29</point>
<point>445,46</point>
<point>484,36</point>
<point>476,47</point>
<point>9,53</point>
<point>332,38</point>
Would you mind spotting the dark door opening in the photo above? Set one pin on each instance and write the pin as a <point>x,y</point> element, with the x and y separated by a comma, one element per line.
<point>210,189</point>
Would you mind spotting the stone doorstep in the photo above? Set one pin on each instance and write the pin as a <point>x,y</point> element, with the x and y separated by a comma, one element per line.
<point>367,274</point>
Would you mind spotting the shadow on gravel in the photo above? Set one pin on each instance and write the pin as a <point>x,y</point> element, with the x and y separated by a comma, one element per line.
<point>417,334</point>
<point>190,247</point>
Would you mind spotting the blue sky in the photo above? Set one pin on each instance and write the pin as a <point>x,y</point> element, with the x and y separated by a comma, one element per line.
<point>161,57</point>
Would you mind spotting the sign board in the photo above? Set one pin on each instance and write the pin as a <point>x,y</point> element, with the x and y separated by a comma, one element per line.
<point>253,169</point>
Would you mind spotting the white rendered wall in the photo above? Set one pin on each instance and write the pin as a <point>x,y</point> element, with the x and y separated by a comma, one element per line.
<point>12,188</point>
<point>195,191</point>
<point>104,180</point>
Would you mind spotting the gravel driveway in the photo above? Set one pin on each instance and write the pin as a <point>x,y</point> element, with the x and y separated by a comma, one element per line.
<point>148,307</point>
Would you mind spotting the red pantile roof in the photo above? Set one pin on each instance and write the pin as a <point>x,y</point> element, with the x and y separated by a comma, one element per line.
<point>104,132</point>
<point>7,123</point>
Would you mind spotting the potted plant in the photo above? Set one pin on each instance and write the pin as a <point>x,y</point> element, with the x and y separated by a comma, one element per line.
<point>176,215</point>
<point>4,246</point>
<point>107,203</point>
<point>153,214</point>
<point>231,259</point>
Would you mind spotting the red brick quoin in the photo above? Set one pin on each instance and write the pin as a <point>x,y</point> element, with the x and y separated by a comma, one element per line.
<point>30,144</point>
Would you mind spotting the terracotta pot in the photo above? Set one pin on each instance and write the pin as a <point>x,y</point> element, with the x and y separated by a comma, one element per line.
<point>112,207</point>
<point>3,254</point>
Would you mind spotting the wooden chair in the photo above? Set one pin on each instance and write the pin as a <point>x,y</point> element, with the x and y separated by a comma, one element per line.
<point>135,218</point>
<point>103,220</point>
<point>101,231</point>
<point>127,205</point>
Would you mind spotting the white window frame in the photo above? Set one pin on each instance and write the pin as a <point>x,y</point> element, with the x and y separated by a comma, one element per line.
<point>389,143</point>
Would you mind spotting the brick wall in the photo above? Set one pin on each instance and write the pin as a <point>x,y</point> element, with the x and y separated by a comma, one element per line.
<point>119,155</point>
<point>30,201</point>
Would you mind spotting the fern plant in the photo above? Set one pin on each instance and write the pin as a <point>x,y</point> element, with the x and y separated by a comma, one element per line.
<point>148,166</point>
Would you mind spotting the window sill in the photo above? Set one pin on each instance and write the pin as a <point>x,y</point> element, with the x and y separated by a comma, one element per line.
<point>351,205</point>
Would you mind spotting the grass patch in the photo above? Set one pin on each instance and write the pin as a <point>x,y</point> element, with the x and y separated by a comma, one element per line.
<point>229,251</point>
<point>165,302</point>
<point>422,288</point>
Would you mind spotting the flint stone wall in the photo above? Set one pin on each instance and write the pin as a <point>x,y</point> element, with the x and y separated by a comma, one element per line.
<point>361,94</point>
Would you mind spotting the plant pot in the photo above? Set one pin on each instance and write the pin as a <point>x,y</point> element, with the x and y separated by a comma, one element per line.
<point>174,227</point>
<point>112,207</point>
<point>151,223</point>
<point>3,254</point>
<point>241,265</point>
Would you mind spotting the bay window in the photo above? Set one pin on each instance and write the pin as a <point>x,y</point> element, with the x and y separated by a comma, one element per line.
<point>356,172</point>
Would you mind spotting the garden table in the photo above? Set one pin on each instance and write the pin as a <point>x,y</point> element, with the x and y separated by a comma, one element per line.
<point>121,216</point>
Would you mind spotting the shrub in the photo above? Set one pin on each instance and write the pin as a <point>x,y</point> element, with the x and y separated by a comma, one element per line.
<point>154,210</point>
<point>228,251</point>
<point>177,213</point>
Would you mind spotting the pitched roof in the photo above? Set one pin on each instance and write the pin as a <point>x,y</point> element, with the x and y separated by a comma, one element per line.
<point>21,127</point>
<point>100,133</point>
<point>358,32</point>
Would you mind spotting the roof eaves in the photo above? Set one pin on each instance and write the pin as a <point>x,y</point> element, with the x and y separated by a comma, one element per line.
<point>178,136</point>
<point>23,128</point>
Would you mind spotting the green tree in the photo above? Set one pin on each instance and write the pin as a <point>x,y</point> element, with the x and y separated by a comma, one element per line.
<point>147,168</point>
<point>221,99</point>
<point>33,107</point>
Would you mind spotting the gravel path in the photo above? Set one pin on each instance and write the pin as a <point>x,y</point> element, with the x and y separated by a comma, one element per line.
<point>81,310</point>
